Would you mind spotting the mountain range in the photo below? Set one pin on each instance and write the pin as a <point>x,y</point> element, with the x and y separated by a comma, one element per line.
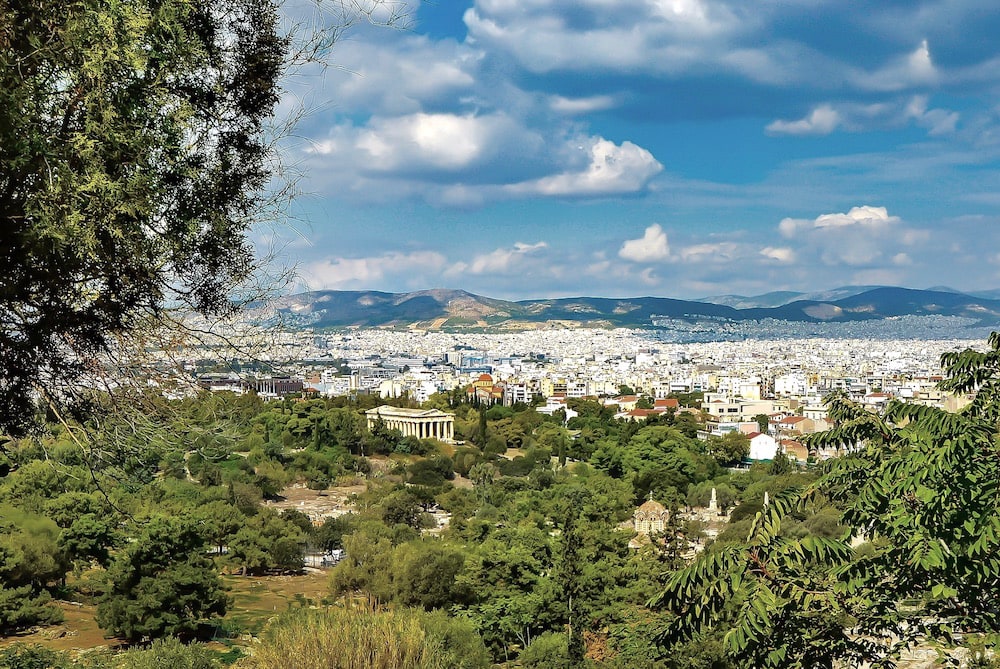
<point>458,309</point>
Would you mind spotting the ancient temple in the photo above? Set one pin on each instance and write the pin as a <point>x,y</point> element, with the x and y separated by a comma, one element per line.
<point>420,423</point>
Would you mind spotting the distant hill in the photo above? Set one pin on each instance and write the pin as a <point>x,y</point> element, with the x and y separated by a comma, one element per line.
<point>782,297</point>
<point>456,309</point>
<point>775,299</point>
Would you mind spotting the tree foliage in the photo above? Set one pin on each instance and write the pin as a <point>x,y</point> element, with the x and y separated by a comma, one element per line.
<point>133,155</point>
<point>30,560</point>
<point>922,486</point>
<point>162,584</point>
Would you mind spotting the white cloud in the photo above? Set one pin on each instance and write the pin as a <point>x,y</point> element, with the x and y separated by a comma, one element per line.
<point>712,252</point>
<point>862,236</point>
<point>666,35</point>
<point>858,216</point>
<point>937,121</point>
<point>919,64</point>
<point>586,105</point>
<point>821,121</point>
<point>914,69</point>
<point>395,78</point>
<point>467,159</point>
<point>651,247</point>
<point>648,277</point>
<point>344,273</point>
<point>498,261</point>
<point>784,255</point>
<point>853,117</point>
<point>448,142</point>
<point>612,169</point>
<point>864,215</point>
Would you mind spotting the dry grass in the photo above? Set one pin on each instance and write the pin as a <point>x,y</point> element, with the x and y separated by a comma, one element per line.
<point>343,637</point>
<point>78,632</point>
<point>255,602</point>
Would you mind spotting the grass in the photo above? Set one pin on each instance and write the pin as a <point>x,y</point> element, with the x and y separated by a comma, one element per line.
<point>351,637</point>
<point>255,601</point>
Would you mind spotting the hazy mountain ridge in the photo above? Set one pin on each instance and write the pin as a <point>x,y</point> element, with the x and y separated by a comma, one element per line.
<point>782,297</point>
<point>446,309</point>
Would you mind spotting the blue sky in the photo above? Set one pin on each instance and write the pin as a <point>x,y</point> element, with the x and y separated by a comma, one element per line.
<point>678,148</point>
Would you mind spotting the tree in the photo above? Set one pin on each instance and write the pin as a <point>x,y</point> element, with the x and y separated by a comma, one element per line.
<point>731,447</point>
<point>763,421</point>
<point>568,577</point>
<point>163,584</point>
<point>30,560</point>
<point>267,541</point>
<point>218,521</point>
<point>423,574</point>
<point>133,157</point>
<point>90,538</point>
<point>923,487</point>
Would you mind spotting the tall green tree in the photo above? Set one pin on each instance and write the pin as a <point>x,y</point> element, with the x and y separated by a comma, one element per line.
<point>133,157</point>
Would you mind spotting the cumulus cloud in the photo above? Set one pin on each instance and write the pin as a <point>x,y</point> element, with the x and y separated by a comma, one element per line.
<point>651,247</point>
<point>446,142</point>
<point>498,261</point>
<point>344,273</point>
<point>781,254</point>
<point>467,159</point>
<point>611,169</point>
<point>414,73</point>
<point>865,216</point>
<point>585,34</point>
<point>862,236</point>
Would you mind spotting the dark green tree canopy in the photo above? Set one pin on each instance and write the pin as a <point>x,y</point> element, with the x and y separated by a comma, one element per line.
<point>133,158</point>
<point>162,584</point>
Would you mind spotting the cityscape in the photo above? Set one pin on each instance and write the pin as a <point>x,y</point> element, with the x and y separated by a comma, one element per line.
<point>499,334</point>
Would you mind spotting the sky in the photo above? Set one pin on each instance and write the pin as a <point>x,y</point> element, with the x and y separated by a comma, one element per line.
<point>677,148</point>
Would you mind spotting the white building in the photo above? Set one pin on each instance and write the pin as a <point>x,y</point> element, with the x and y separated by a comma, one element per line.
<point>762,446</point>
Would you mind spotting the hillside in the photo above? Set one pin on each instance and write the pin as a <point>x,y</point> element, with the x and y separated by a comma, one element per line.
<point>451,309</point>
